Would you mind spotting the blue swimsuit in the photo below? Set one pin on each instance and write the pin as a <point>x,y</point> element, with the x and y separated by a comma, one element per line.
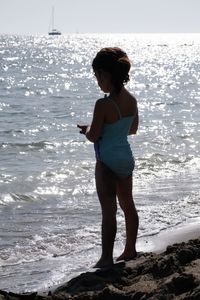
<point>113,148</point>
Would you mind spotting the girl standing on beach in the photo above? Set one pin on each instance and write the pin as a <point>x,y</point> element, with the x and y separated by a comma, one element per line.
<point>115,117</point>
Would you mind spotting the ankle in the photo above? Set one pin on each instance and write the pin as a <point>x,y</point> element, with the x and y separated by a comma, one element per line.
<point>104,263</point>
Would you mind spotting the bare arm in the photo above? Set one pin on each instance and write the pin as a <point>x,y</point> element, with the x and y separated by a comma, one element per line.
<point>135,124</point>
<point>93,132</point>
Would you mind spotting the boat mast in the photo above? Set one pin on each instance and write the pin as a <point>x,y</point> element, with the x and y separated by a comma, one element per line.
<point>53,17</point>
<point>52,30</point>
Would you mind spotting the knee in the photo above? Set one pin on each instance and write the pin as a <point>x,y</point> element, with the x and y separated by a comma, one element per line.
<point>128,207</point>
<point>109,211</point>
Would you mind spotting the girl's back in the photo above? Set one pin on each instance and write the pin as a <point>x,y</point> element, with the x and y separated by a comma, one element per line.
<point>124,104</point>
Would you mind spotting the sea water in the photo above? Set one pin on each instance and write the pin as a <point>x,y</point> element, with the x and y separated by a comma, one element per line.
<point>50,217</point>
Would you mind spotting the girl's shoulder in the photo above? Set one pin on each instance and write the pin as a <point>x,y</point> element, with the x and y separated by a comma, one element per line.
<point>131,97</point>
<point>102,102</point>
<point>101,106</point>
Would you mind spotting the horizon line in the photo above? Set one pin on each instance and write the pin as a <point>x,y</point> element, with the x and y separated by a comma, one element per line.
<point>95,33</point>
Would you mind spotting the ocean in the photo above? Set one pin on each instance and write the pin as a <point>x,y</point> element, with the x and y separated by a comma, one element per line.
<point>50,217</point>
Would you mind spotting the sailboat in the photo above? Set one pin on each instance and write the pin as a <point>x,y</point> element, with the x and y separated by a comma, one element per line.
<point>52,30</point>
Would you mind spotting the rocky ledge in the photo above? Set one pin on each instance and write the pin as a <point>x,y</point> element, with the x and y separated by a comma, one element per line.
<point>173,274</point>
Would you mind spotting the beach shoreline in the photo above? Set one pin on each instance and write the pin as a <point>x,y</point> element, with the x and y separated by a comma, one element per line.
<point>169,269</point>
<point>159,242</point>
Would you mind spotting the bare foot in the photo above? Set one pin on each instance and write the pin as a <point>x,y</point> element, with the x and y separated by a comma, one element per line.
<point>102,263</point>
<point>126,257</point>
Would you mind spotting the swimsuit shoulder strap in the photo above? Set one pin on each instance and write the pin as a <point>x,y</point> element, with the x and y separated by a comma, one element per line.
<point>117,107</point>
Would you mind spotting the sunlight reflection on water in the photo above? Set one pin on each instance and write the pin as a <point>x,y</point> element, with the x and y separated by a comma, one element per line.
<point>50,216</point>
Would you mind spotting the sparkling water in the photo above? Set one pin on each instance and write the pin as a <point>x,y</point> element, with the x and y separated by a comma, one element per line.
<point>50,217</point>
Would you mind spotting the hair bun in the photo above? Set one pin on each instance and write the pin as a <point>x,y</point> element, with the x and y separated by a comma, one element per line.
<point>123,66</point>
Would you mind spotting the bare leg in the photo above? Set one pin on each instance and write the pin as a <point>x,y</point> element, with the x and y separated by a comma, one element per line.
<point>106,190</point>
<point>124,193</point>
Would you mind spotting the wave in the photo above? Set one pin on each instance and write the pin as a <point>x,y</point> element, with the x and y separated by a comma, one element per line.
<point>11,131</point>
<point>6,199</point>
<point>32,145</point>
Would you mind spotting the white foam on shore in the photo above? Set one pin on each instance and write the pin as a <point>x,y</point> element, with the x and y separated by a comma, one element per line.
<point>158,243</point>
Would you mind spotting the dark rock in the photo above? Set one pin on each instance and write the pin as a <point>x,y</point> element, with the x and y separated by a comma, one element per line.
<point>182,284</point>
<point>24,296</point>
<point>3,293</point>
<point>162,297</point>
<point>164,267</point>
<point>139,296</point>
<point>171,249</point>
<point>185,255</point>
<point>84,282</point>
<point>113,294</point>
<point>193,295</point>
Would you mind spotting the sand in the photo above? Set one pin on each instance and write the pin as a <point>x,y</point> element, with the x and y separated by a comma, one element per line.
<point>170,274</point>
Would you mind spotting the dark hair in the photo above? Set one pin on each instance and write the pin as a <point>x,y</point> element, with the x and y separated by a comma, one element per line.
<point>116,62</point>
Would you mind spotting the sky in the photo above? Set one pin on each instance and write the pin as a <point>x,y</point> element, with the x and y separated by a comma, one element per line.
<point>100,16</point>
